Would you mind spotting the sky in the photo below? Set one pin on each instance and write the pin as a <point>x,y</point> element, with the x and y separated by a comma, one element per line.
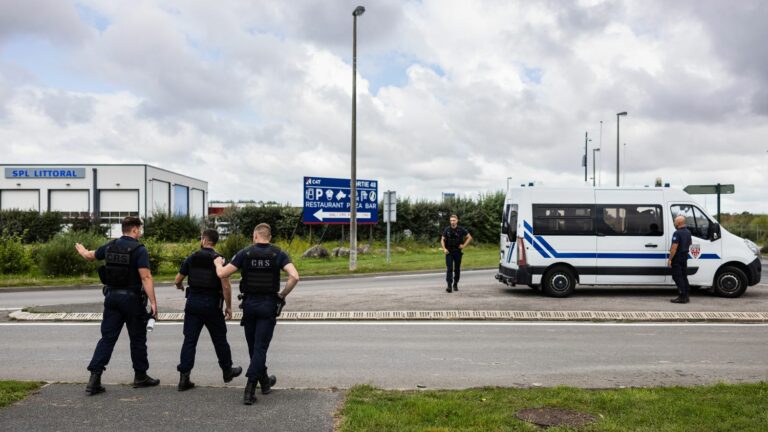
<point>452,95</point>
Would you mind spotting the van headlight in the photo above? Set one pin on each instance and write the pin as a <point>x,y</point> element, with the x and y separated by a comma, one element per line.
<point>752,246</point>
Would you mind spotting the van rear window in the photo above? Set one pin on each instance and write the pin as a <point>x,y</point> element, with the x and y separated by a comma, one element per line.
<point>563,219</point>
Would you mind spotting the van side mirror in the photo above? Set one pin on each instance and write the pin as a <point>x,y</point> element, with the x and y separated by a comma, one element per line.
<point>713,233</point>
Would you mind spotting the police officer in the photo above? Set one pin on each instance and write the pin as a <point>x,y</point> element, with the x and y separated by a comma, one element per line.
<point>125,271</point>
<point>260,266</point>
<point>678,259</point>
<point>205,295</point>
<point>454,239</point>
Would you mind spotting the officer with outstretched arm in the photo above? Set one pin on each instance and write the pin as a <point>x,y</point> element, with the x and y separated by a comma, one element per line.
<point>124,273</point>
<point>260,266</point>
<point>206,295</point>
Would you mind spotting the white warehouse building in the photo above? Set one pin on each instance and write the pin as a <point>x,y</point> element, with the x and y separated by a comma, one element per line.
<point>109,191</point>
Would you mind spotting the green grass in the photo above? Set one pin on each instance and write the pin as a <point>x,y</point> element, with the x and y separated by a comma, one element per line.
<point>407,256</point>
<point>13,391</point>
<point>722,407</point>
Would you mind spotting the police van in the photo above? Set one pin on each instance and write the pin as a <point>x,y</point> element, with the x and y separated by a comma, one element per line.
<point>553,239</point>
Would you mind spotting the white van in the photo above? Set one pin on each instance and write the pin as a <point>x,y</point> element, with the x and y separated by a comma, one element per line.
<point>554,239</point>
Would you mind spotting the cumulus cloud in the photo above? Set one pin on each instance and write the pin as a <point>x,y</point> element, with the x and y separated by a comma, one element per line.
<point>254,96</point>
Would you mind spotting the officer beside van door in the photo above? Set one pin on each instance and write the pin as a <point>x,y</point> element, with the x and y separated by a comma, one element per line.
<point>260,266</point>
<point>205,295</point>
<point>454,239</point>
<point>125,271</point>
<point>678,259</point>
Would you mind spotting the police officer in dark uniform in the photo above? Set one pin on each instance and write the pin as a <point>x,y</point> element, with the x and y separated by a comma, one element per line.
<point>260,266</point>
<point>678,259</point>
<point>124,273</point>
<point>206,295</point>
<point>454,239</point>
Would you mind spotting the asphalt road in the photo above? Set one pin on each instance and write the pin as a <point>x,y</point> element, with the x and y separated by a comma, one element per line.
<point>407,355</point>
<point>479,291</point>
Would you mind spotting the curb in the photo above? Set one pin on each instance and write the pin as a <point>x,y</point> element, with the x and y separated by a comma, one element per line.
<point>235,282</point>
<point>457,315</point>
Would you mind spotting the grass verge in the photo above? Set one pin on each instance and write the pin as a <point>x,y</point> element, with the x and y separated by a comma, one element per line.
<point>14,391</point>
<point>408,257</point>
<point>721,407</point>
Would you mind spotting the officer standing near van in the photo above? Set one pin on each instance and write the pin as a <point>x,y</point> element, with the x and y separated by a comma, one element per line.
<point>454,239</point>
<point>206,295</point>
<point>124,273</point>
<point>260,266</point>
<point>678,259</point>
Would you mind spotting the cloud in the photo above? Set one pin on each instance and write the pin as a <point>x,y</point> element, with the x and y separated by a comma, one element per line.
<point>252,97</point>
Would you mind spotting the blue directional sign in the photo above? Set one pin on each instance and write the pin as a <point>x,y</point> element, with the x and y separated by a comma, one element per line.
<point>326,201</point>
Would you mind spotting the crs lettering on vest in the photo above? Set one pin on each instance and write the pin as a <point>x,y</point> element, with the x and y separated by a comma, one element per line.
<point>261,263</point>
<point>118,258</point>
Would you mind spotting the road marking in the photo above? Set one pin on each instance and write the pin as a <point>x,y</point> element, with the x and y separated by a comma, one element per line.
<point>418,323</point>
<point>11,309</point>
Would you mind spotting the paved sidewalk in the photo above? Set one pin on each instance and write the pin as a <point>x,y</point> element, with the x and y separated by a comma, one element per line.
<point>65,407</point>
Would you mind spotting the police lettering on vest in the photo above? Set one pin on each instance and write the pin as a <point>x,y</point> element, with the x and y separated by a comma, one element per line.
<point>117,271</point>
<point>202,272</point>
<point>260,271</point>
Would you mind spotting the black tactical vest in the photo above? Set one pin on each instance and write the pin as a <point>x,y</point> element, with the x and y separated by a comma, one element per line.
<point>202,272</point>
<point>260,271</point>
<point>117,271</point>
<point>452,239</point>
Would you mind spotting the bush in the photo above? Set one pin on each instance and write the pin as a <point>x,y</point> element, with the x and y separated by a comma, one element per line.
<point>175,254</point>
<point>172,228</point>
<point>155,251</point>
<point>232,245</point>
<point>14,257</point>
<point>31,226</point>
<point>58,257</point>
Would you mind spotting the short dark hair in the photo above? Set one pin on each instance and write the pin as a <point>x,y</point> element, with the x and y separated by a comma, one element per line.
<point>211,235</point>
<point>131,221</point>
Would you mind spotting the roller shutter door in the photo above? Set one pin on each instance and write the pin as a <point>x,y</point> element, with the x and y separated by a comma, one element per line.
<point>115,205</point>
<point>20,200</point>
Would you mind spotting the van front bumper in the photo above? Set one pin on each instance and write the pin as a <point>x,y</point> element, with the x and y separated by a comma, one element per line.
<point>755,268</point>
<point>511,277</point>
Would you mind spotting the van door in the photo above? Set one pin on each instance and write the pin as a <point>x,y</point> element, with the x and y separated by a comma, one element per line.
<point>704,257</point>
<point>630,238</point>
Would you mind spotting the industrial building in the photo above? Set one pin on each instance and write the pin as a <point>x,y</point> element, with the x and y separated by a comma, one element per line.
<point>106,191</point>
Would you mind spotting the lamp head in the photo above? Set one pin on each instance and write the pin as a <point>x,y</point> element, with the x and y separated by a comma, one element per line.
<point>623,113</point>
<point>358,11</point>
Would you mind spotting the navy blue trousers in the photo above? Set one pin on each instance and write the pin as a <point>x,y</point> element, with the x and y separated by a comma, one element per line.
<point>680,275</point>
<point>259,319</point>
<point>122,309</point>
<point>453,266</point>
<point>204,311</point>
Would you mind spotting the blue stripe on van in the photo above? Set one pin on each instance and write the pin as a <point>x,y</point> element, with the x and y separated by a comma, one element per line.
<point>556,254</point>
<point>535,245</point>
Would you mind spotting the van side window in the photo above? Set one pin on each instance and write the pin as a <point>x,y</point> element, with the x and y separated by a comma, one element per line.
<point>509,221</point>
<point>695,220</point>
<point>630,220</point>
<point>563,219</point>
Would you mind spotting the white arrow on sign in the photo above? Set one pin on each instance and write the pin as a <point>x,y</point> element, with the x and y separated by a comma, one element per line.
<point>320,214</point>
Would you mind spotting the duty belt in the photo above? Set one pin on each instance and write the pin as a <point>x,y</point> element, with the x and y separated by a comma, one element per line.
<point>122,291</point>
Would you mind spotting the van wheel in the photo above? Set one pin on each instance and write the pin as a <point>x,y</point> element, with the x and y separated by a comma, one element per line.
<point>730,282</point>
<point>558,282</point>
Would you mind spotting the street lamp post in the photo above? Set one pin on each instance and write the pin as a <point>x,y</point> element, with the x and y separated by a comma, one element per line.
<point>353,177</point>
<point>618,152</point>
<point>586,157</point>
<point>594,150</point>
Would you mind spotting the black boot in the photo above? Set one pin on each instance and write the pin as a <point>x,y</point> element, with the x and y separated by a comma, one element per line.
<point>184,382</point>
<point>266,382</point>
<point>249,397</point>
<point>231,373</point>
<point>94,384</point>
<point>449,289</point>
<point>141,379</point>
<point>456,285</point>
<point>680,299</point>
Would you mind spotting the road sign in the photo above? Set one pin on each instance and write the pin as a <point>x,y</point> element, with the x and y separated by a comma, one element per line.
<point>390,207</point>
<point>710,189</point>
<point>326,201</point>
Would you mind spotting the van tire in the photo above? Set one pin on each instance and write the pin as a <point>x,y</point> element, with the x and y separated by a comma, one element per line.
<point>730,282</point>
<point>558,282</point>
